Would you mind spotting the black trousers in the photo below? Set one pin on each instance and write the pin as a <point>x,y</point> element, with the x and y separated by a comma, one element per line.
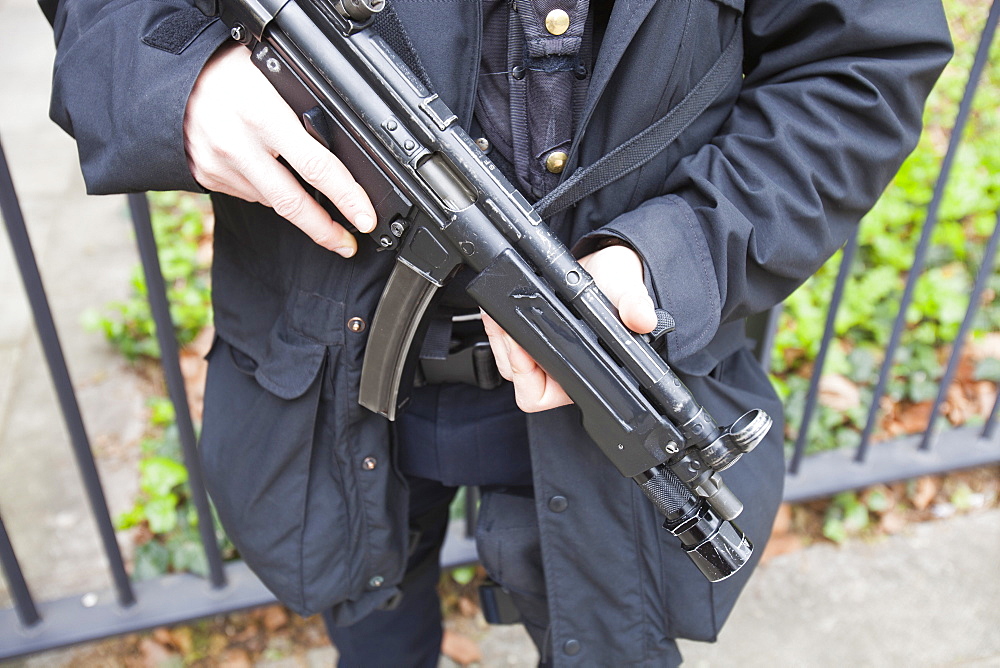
<point>450,435</point>
<point>409,634</point>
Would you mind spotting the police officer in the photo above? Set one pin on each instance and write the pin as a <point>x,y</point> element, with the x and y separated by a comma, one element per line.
<point>341,512</point>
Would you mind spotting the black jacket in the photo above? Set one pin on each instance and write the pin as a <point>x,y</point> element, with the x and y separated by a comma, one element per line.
<point>747,204</point>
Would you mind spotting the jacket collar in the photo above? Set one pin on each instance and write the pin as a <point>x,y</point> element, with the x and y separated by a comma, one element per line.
<point>626,17</point>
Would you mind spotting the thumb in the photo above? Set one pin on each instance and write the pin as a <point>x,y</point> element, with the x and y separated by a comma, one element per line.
<point>637,311</point>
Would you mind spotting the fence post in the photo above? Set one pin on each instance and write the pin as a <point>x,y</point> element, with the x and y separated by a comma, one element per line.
<point>10,209</point>
<point>169,357</point>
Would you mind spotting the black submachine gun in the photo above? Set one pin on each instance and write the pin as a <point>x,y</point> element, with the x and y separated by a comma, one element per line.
<point>442,204</point>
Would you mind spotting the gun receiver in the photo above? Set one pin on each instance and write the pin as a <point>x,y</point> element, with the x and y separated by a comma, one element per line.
<point>442,204</point>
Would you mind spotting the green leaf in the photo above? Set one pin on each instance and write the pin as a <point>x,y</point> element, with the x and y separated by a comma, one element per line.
<point>878,501</point>
<point>922,389</point>
<point>186,553</point>
<point>833,528</point>
<point>857,520</point>
<point>963,497</point>
<point>161,411</point>
<point>131,518</point>
<point>161,513</point>
<point>159,475</point>
<point>988,369</point>
<point>463,575</point>
<point>151,559</point>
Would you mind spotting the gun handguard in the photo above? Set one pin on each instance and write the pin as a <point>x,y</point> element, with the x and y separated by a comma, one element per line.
<point>442,204</point>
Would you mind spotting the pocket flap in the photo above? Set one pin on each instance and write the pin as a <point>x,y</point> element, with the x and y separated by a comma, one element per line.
<point>289,367</point>
<point>297,343</point>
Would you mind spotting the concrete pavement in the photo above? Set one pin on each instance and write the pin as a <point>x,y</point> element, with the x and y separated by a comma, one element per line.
<point>86,252</point>
<point>928,597</point>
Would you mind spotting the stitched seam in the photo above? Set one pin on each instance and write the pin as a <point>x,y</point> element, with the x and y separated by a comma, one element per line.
<point>708,276</point>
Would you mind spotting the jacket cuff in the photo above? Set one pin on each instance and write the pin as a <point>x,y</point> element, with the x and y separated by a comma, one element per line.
<point>677,264</point>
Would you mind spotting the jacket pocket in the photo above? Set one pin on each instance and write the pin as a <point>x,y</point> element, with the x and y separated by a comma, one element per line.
<point>268,471</point>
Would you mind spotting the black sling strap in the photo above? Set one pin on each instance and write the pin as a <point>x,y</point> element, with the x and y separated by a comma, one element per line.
<point>649,143</point>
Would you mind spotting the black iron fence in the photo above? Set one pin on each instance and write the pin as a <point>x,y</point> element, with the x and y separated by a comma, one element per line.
<point>32,626</point>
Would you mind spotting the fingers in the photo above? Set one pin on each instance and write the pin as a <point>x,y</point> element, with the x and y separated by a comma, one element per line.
<point>497,336</point>
<point>326,173</point>
<point>235,128</point>
<point>534,389</point>
<point>280,190</point>
<point>617,270</point>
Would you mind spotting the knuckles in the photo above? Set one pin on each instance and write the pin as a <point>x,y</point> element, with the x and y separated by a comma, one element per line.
<point>287,205</point>
<point>349,197</point>
<point>316,169</point>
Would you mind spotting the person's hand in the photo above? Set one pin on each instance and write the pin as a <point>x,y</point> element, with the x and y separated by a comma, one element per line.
<point>617,270</point>
<point>235,127</point>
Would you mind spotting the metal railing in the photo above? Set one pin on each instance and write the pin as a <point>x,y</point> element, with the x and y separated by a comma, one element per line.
<point>930,452</point>
<point>32,626</point>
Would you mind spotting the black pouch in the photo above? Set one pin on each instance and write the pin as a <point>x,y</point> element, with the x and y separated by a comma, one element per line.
<point>497,604</point>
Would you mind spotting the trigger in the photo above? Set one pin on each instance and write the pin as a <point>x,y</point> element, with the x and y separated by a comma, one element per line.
<point>315,124</point>
<point>658,337</point>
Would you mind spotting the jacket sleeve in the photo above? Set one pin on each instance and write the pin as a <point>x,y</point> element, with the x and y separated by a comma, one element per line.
<point>831,103</point>
<point>123,72</point>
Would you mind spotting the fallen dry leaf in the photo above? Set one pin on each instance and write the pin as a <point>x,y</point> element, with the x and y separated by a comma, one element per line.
<point>274,618</point>
<point>783,520</point>
<point>986,395</point>
<point>461,649</point>
<point>162,635</point>
<point>958,407</point>
<point>838,392</point>
<point>466,607</point>
<point>913,418</point>
<point>182,639</point>
<point>781,544</point>
<point>154,654</point>
<point>925,490</point>
<point>892,522</point>
<point>235,657</point>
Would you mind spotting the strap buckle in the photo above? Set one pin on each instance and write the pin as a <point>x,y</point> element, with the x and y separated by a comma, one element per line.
<point>472,364</point>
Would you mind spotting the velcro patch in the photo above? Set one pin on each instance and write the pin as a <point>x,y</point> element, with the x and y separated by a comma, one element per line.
<point>175,32</point>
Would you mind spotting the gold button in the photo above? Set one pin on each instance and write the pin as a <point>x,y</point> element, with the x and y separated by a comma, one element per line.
<point>556,162</point>
<point>557,21</point>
